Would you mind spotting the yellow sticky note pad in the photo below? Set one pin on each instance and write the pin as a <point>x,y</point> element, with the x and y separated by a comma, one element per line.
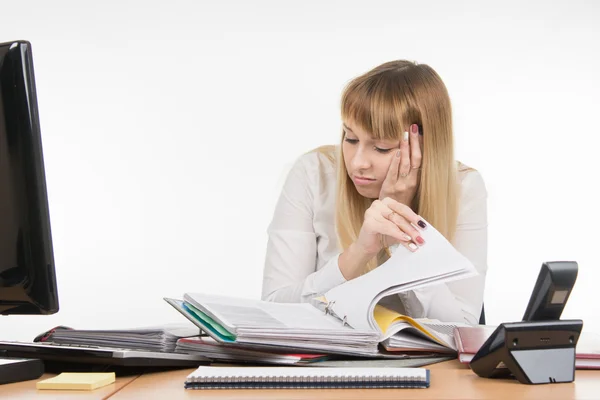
<point>77,381</point>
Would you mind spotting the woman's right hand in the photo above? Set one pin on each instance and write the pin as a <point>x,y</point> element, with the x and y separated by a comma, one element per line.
<point>388,222</point>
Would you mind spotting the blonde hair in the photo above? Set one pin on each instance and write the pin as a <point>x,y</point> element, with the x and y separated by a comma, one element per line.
<point>385,102</point>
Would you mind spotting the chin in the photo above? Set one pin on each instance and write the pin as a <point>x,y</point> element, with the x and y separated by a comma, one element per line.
<point>370,193</point>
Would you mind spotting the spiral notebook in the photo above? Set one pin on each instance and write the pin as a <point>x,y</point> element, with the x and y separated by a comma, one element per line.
<point>306,378</point>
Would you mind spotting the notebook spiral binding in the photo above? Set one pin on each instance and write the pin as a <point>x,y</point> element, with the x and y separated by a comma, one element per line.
<point>293,379</point>
<point>303,382</point>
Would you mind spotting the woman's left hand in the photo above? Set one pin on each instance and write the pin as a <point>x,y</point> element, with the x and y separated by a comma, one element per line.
<point>403,176</point>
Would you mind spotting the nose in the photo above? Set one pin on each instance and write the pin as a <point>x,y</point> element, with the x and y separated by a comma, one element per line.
<point>361,160</point>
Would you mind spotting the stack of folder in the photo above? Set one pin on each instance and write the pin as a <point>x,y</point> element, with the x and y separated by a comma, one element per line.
<point>234,353</point>
<point>156,338</point>
<point>346,320</point>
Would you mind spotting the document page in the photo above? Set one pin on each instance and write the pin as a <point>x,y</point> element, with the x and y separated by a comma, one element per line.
<point>235,313</point>
<point>436,262</point>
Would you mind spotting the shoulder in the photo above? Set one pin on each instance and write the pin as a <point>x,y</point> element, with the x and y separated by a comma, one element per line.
<point>312,175</point>
<point>319,162</point>
<point>472,185</point>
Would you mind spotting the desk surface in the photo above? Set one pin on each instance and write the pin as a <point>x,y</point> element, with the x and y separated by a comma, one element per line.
<point>449,380</point>
<point>27,390</point>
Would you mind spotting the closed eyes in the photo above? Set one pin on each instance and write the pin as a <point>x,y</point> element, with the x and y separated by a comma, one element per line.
<point>378,149</point>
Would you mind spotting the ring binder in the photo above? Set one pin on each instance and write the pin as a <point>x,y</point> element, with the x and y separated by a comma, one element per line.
<point>329,311</point>
<point>328,307</point>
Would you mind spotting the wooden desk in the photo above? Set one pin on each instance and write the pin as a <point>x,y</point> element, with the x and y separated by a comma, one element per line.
<point>449,380</point>
<point>27,390</point>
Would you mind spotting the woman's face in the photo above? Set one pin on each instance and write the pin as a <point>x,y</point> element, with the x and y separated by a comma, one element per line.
<point>367,160</point>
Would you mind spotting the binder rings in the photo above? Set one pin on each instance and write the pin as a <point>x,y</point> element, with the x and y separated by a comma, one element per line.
<point>306,378</point>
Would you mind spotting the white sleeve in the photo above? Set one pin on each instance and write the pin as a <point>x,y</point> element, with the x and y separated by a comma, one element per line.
<point>459,301</point>
<point>290,264</point>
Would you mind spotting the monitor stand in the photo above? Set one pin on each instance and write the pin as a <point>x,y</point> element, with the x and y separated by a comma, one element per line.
<point>20,369</point>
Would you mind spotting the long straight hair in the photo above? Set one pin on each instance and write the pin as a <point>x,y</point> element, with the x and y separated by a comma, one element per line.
<point>385,102</point>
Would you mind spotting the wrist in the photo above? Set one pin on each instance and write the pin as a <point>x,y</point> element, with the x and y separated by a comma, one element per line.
<point>360,253</point>
<point>353,260</point>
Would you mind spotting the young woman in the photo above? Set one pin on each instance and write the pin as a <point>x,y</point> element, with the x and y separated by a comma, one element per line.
<point>342,207</point>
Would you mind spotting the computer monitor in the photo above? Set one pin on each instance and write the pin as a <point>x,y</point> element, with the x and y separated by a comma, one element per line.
<point>27,274</point>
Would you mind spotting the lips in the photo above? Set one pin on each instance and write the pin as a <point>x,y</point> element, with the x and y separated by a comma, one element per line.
<point>362,180</point>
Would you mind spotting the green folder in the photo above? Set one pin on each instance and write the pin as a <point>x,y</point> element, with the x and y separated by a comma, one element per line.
<point>206,323</point>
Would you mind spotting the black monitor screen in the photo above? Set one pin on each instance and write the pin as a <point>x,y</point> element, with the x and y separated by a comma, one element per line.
<point>27,275</point>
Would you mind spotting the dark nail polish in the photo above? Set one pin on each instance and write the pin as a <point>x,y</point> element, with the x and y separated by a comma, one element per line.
<point>421,224</point>
<point>420,240</point>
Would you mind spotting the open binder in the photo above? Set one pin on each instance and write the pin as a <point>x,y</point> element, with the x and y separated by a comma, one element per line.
<point>345,320</point>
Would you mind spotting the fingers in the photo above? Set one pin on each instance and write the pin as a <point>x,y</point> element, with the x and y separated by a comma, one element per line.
<point>396,229</point>
<point>415,147</point>
<point>392,174</point>
<point>407,228</point>
<point>404,155</point>
<point>405,211</point>
<point>398,220</point>
<point>388,228</point>
<point>378,224</point>
<point>410,246</point>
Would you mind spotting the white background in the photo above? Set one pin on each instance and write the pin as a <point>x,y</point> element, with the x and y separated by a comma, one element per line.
<point>169,127</point>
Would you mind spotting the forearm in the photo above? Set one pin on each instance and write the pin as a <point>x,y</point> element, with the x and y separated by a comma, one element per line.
<point>353,260</point>
<point>301,290</point>
<point>287,294</point>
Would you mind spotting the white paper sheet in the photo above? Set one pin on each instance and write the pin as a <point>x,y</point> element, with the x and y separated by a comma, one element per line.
<point>434,263</point>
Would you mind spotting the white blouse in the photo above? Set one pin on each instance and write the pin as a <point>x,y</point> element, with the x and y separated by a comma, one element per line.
<point>302,249</point>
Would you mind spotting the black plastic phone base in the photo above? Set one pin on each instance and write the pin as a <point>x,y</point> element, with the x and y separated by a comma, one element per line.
<point>532,352</point>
